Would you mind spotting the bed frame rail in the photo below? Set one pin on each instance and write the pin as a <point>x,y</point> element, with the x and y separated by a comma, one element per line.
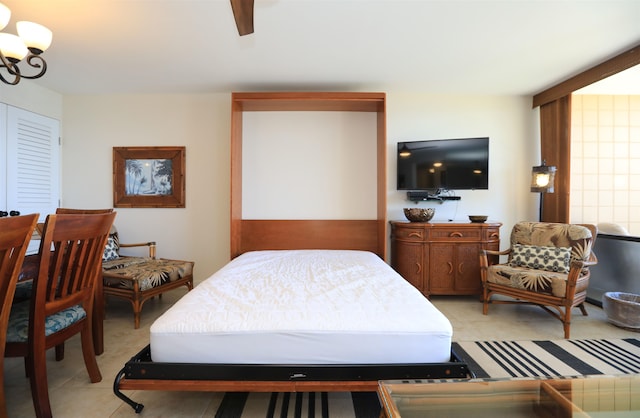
<point>141,373</point>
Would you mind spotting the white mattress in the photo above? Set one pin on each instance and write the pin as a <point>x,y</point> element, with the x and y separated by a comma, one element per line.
<point>303,307</point>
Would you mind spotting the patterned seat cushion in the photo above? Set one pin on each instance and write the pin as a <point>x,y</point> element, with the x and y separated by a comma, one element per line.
<point>111,250</point>
<point>541,281</point>
<point>147,272</point>
<point>18,329</point>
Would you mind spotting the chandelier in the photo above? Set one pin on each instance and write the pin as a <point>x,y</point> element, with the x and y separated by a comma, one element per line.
<point>32,41</point>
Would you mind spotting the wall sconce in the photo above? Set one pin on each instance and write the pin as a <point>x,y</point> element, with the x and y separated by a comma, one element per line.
<point>32,41</point>
<point>542,181</point>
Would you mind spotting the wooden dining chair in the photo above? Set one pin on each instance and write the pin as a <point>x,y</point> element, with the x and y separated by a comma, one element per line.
<point>15,234</point>
<point>98,307</point>
<point>61,306</point>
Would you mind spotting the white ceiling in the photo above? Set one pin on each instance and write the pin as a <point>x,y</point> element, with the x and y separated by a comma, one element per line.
<point>510,47</point>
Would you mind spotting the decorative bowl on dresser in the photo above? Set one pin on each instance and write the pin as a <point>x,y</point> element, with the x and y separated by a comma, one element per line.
<point>478,218</point>
<point>419,214</point>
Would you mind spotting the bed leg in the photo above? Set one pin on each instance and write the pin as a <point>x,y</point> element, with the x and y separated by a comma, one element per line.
<point>116,390</point>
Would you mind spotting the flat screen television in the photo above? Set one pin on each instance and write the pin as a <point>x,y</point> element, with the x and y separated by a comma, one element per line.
<point>444,164</point>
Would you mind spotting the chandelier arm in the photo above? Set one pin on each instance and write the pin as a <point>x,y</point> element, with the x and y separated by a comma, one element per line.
<point>39,63</point>
<point>4,80</point>
<point>12,69</point>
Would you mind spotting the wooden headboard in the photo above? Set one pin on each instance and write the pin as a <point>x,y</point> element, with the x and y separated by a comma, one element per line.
<point>352,234</point>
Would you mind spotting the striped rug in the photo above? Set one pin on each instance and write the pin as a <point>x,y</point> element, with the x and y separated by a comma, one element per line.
<point>299,405</point>
<point>486,359</point>
<point>544,359</point>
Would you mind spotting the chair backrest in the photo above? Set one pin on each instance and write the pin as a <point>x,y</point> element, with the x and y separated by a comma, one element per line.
<point>579,238</point>
<point>70,261</point>
<point>15,234</point>
<point>67,211</point>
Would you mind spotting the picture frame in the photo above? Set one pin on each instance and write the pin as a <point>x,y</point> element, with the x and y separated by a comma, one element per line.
<point>149,177</point>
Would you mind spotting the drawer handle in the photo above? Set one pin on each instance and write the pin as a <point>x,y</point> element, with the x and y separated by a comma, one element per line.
<point>415,234</point>
<point>450,267</point>
<point>418,268</point>
<point>460,268</point>
<point>495,235</point>
<point>456,234</point>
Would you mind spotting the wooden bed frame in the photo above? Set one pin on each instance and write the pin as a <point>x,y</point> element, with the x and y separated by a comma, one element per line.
<point>141,373</point>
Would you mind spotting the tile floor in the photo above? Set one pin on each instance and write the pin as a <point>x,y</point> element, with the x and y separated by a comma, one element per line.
<point>73,396</point>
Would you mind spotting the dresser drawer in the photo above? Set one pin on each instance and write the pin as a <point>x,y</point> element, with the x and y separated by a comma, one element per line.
<point>454,234</point>
<point>492,234</point>
<point>408,233</point>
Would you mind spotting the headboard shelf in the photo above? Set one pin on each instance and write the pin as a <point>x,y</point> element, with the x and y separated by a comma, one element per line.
<point>364,234</point>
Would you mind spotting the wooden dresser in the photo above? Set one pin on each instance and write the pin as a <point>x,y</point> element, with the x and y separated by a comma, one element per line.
<point>442,258</point>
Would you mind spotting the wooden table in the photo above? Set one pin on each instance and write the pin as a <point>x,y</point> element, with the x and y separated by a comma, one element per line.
<point>585,397</point>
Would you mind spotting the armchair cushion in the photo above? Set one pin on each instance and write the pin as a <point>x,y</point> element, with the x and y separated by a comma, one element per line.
<point>576,237</point>
<point>540,281</point>
<point>18,330</point>
<point>541,257</point>
<point>147,272</point>
<point>123,262</point>
<point>111,250</point>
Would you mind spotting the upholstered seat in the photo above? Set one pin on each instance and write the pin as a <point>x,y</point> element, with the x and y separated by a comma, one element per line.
<point>18,330</point>
<point>146,272</point>
<point>547,265</point>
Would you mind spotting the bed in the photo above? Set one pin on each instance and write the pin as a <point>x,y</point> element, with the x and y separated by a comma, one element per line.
<point>370,324</point>
<point>291,320</point>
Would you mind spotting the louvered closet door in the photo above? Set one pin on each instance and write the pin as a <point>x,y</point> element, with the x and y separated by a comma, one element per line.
<point>33,163</point>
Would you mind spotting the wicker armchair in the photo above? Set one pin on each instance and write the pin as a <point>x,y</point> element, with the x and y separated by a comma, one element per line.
<point>548,265</point>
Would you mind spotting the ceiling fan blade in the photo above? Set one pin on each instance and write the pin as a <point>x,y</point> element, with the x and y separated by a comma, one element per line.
<point>243,13</point>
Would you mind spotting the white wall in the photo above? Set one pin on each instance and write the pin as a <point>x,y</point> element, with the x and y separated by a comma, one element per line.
<point>92,125</point>
<point>512,128</point>
<point>28,95</point>
<point>201,123</point>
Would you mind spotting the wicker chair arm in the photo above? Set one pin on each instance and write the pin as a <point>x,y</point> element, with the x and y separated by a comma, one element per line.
<point>494,252</point>
<point>150,244</point>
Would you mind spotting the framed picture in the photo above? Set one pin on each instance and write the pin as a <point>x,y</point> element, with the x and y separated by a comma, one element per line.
<point>149,177</point>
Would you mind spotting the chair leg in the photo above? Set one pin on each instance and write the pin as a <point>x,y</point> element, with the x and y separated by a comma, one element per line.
<point>485,302</point>
<point>583,309</point>
<point>136,317</point>
<point>3,402</point>
<point>37,370</point>
<point>60,352</point>
<point>566,322</point>
<point>89,354</point>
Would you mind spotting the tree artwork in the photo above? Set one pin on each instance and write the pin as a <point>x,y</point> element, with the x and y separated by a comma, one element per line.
<point>148,177</point>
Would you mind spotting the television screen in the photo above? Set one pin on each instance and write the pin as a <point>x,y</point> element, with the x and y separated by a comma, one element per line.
<point>445,164</point>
